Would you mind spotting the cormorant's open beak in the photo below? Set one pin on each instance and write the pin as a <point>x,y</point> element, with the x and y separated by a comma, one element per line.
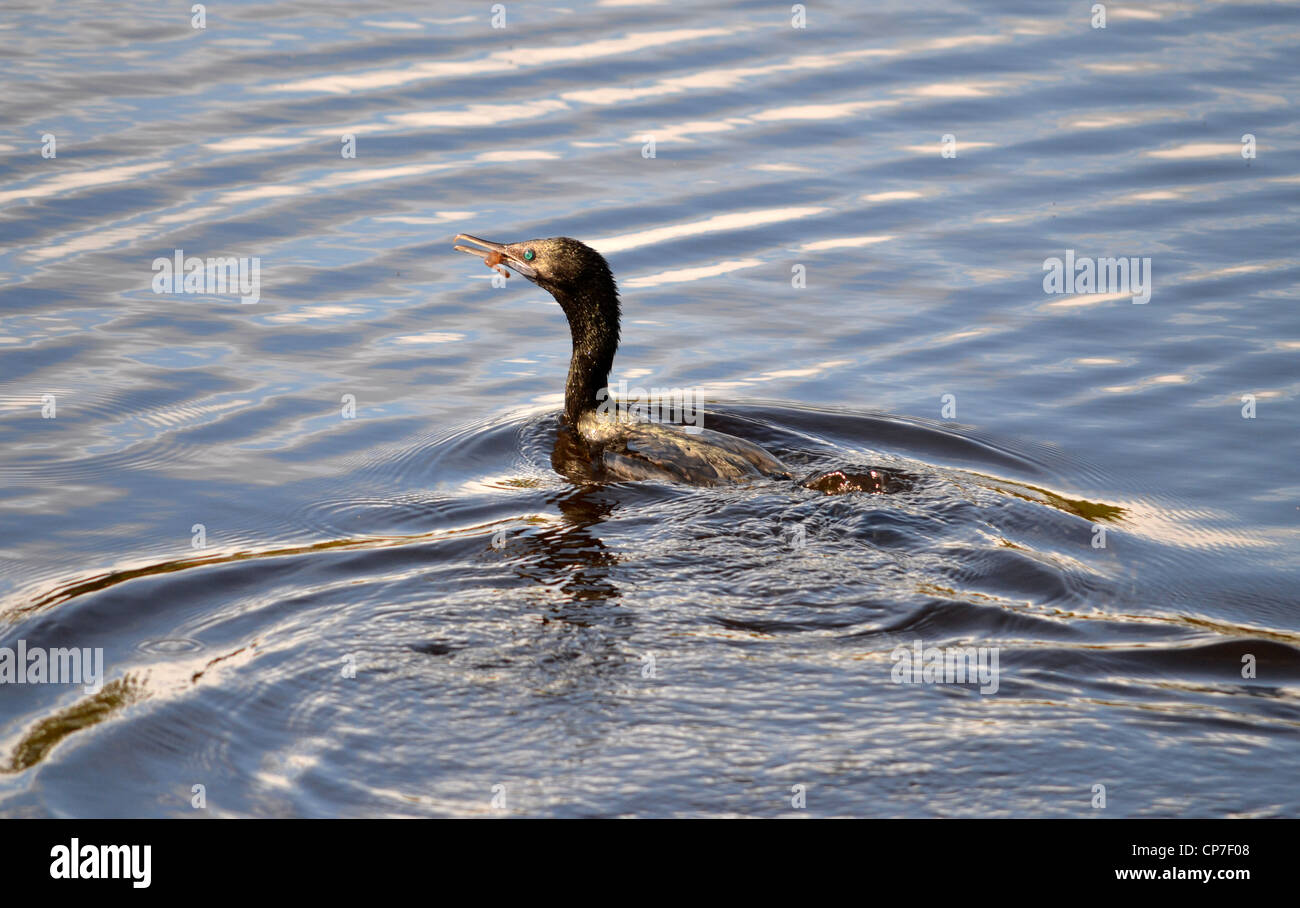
<point>508,257</point>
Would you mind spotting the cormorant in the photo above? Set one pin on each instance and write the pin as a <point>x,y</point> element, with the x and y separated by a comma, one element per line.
<point>613,445</point>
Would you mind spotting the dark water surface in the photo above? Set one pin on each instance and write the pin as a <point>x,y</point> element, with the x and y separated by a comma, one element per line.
<point>645,649</point>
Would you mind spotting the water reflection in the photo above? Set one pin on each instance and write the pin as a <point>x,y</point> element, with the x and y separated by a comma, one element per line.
<point>569,555</point>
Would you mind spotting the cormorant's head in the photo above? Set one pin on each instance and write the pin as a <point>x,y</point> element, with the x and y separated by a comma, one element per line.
<point>581,282</point>
<point>560,265</point>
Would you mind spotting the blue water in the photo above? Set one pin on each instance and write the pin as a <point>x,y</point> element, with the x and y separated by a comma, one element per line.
<point>399,611</point>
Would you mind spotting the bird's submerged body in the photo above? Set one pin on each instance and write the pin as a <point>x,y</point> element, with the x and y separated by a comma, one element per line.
<point>595,444</point>
<point>649,450</point>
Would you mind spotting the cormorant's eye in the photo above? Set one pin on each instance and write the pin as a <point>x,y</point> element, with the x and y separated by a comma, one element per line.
<point>529,255</point>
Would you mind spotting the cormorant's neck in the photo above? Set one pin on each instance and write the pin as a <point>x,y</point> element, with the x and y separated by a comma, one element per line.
<point>593,314</point>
